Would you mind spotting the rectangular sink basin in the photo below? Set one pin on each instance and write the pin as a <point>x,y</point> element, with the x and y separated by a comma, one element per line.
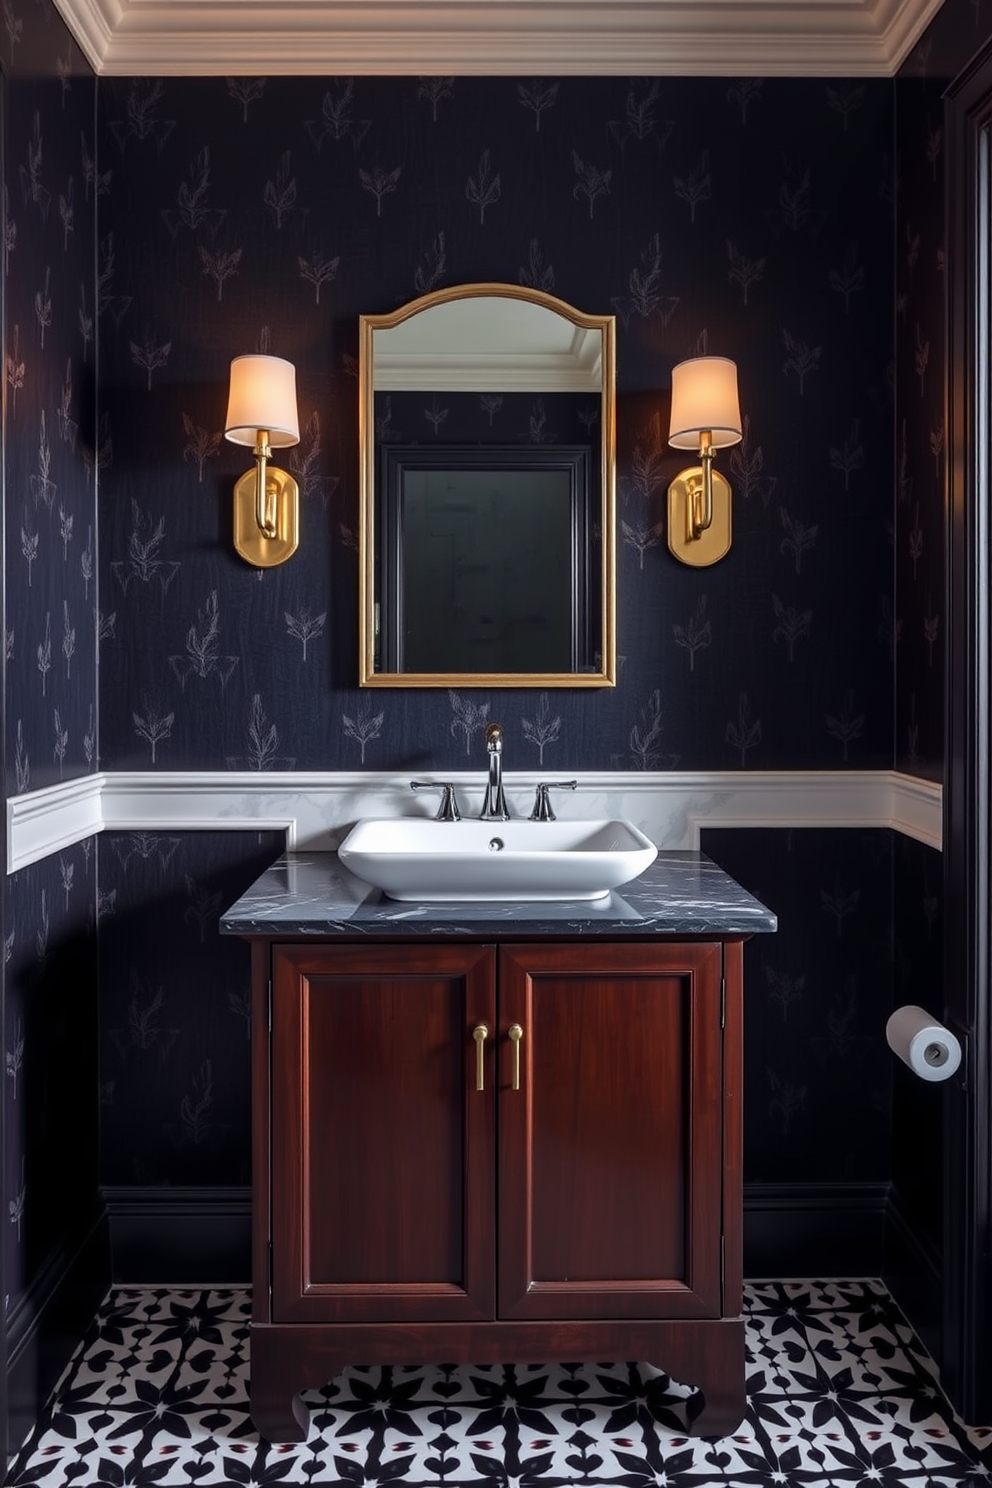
<point>416,859</point>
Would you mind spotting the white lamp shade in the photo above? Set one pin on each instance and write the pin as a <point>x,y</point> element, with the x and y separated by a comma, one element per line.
<point>263,396</point>
<point>704,396</point>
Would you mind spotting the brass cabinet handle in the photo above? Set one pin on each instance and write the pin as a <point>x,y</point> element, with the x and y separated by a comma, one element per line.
<point>515,1033</point>
<point>480,1033</point>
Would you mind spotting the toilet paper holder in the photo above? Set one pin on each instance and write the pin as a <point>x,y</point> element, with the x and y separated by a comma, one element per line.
<point>923,1043</point>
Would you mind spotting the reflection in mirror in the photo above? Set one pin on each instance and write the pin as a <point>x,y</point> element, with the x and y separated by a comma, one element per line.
<point>487,497</point>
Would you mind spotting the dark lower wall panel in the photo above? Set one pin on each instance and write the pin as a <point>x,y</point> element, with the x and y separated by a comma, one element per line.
<point>174,996</point>
<point>918,1108</point>
<point>817,1069</point>
<point>49,1320</point>
<point>174,1002</point>
<point>50,1019</point>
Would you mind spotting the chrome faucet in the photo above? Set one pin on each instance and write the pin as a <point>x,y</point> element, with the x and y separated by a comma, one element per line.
<point>494,802</point>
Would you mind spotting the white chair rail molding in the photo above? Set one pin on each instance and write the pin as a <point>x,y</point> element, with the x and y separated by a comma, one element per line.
<point>316,809</point>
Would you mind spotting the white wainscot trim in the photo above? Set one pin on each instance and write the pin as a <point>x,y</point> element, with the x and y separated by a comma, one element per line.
<point>316,810</point>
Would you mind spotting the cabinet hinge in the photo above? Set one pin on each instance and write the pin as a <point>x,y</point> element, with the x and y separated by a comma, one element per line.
<point>723,1002</point>
<point>270,1004</point>
<point>270,1270</point>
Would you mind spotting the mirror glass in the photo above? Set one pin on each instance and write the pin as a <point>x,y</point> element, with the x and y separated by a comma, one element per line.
<point>486,423</point>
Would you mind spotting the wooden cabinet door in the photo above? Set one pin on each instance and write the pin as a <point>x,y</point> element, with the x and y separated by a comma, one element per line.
<point>383,1165</point>
<point>611,1162</point>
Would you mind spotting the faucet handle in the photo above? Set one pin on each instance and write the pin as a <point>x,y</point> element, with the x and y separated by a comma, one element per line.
<point>542,802</point>
<point>448,809</point>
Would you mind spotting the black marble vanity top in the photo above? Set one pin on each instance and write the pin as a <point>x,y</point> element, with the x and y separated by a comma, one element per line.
<point>682,893</point>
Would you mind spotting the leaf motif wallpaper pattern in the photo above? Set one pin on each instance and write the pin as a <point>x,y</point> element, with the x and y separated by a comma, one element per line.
<point>50,193</point>
<point>920,613</point>
<point>153,228</point>
<point>272,222</point>
<point>50,1011</point>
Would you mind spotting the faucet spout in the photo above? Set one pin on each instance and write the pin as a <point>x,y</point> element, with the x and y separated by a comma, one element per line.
<point>494,802</point>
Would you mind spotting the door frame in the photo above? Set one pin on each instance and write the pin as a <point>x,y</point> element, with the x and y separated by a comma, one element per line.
<point>967,1263</point>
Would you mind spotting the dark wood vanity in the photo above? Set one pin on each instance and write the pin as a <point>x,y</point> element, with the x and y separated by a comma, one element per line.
<point>496,1133</point>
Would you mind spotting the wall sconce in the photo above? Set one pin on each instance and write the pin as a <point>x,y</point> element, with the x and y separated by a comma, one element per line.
<point>706,416</point>
<point>261,412</point>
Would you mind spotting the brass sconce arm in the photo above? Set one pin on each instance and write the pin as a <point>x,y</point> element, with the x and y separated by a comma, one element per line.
<point>265,491</point>
<point>702,495</point>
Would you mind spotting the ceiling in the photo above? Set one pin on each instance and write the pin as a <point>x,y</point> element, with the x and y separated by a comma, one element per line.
<point>739,38</point>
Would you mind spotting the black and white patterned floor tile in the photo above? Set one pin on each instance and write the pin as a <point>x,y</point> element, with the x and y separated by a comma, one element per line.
<point>841,1395</point>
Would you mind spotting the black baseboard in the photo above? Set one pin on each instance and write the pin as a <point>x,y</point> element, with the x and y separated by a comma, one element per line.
<point>814,1229</point>
<point>49,1320</point>
<point>188,1235</point>
<point>913,1272</point>
<point>163,1235</point>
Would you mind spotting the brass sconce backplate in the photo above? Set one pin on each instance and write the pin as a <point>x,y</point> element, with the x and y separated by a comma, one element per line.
<point>250,541</point>
<point>714,541</point>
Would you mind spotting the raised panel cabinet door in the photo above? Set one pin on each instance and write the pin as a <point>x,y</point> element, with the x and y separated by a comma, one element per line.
<point>383,1165</point>
<point>610,1166</point>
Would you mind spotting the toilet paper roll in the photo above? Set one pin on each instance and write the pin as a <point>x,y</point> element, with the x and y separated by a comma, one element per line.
<point>926,1046</point>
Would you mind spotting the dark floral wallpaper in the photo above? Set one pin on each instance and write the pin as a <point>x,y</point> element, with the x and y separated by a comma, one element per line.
<point>960,28</point>
<point>785,222</point>
<point>50,1015</point>
<point>745,217</point>
<point>50,192</point>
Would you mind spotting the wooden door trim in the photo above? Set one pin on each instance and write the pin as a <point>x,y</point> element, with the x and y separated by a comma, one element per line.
<point>967,1352</point>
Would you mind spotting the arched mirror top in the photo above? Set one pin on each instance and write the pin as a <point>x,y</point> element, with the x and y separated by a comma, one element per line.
<point>488,341</point>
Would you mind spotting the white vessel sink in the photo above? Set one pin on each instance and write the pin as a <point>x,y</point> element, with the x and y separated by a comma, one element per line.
<point>413,858</point>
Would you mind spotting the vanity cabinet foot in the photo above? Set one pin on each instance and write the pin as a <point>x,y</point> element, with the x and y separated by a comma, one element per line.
<point>289,1358</point>
<point>276,1408</point>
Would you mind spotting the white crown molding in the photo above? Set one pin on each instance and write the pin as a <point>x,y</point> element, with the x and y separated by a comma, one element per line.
<point>813,38</point>
<point>901,25</point>
<point>315,810</point>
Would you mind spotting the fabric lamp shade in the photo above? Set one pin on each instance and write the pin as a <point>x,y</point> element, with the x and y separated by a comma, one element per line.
<point>262,396</point>
<point>704,396</point>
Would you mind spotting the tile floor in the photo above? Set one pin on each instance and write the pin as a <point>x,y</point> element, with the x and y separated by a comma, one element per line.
<point>840,1393</point>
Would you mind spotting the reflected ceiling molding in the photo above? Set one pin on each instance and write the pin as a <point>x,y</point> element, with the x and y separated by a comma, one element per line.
<point>733,38</point>
<point>526,348</point>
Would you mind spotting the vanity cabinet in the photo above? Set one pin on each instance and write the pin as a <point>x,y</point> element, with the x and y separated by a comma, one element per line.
<point>504,1151</point>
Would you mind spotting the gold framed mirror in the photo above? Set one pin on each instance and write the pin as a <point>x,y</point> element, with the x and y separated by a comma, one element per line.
<point>487,492</point>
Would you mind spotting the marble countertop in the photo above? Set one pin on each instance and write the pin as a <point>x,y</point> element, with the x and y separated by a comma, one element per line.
<point>682,893</point>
